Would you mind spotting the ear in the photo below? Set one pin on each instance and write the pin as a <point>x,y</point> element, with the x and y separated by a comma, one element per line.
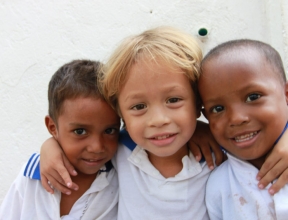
<point>51,126</point>
<point>124,125</point>
<point>286,92</point>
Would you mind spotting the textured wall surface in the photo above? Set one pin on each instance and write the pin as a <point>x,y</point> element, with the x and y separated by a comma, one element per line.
<point>36,37</point>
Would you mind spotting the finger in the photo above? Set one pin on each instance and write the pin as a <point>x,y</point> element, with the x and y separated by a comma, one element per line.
<point>57,185</point>
<point>56,180</point>
<point>44,182</point>
<point>279,184</point>
<point>195,150</point>
<point>74,186</point>
<point>272,174</point>
<point>69,166</point>
<point>269,164</point>
<point>219,154</point>
<point>206,152</point>
<point>65,176</point>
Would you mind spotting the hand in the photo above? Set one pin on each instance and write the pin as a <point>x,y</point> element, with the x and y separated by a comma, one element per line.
<point>275,165</point>
<point>53,168</point>
<point>203,141</point>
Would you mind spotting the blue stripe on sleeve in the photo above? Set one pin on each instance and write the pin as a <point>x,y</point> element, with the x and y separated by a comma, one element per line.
<point>32,169</point>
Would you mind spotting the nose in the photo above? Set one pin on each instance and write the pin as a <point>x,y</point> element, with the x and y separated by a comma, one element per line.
<point>95,145</point>
<point>158,117</point>
<point>237,116</point>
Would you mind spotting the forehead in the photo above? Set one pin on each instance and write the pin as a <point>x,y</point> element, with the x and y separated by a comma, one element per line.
<point>238,62</point>
<point>87,107</point>
<point>147,69</point>
<point>236,70</point>
<point>150,78</point>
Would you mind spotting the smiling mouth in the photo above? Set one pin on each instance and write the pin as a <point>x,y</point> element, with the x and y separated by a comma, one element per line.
<point>93,160</point>
<point>162,137</point>
<point>245,137</point>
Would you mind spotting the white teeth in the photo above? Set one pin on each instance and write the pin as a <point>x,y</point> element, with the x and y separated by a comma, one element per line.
<point>245,137</point>
<point>161,137</point>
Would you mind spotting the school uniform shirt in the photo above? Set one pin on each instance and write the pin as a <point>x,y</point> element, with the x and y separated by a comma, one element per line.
<point>145,194</point>
<point>27,198</point>
<point>232,193</point>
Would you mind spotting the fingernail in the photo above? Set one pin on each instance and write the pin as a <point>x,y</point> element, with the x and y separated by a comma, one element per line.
<point>258,178</point>
<point>68,193</point>
<point>74,171</point>
<point>197,158</point>
<point>261,186</point>
<point>211,167</point>
<point>75,188</point>
<point>69,184</point>
<point>271,191</point>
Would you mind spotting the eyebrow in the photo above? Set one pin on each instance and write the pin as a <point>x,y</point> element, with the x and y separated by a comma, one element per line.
<point>75,124</point>
<point>167,89</point>
<point>244,88</point>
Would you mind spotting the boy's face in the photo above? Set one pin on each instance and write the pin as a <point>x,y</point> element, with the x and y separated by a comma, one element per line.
<point>158,106</point>
<point>88,130</point>
<point>245,103</point>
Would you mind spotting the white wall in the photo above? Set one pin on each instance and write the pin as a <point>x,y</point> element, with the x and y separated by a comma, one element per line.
<point>36,37</point>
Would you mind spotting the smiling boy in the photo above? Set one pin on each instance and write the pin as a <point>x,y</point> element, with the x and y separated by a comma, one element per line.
<point>87,129</point>
<point>244,92</point>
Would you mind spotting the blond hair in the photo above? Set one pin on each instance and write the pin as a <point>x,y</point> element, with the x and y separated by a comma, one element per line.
<point>171,45</point>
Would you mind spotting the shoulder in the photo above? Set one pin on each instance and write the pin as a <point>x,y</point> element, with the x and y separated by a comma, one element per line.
<point>219,178</point>
<point>125,148</point>
<point>126,140</point>
<point>217,185</point>
<point>32,168</point>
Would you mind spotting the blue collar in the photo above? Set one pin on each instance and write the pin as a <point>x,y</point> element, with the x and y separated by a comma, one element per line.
<point>285,128</point>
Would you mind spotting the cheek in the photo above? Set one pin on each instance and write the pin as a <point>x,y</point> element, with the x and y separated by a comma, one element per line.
<point>113,148</point>
<point>216,127</point>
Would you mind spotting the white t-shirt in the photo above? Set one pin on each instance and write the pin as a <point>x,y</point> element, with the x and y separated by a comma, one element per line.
<point>27,200</point>
<point>232,193</point>
<point>145,194</point>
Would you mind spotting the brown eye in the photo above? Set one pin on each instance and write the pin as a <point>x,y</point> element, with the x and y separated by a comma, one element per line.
<point>173,100</point>
<point>111,131</point>
<point>217,109</point>
<point>138,107</point>
<point>80,131</point>
<point>252,97</point>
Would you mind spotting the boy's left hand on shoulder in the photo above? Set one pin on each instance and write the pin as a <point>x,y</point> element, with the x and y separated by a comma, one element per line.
<point>201,144</point>
<point>275,166</point>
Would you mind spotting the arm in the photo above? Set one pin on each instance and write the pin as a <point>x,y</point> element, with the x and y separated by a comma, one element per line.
<point>55,168</point>
<point>202,142</point>
<point>276,164</point>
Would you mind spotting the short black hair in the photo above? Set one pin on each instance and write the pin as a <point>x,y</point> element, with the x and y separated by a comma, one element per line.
<point>270,54</point>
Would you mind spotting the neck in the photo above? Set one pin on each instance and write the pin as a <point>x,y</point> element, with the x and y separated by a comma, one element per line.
<point>84,180</point>
<point>171,165</point>
<point>259,161</point>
